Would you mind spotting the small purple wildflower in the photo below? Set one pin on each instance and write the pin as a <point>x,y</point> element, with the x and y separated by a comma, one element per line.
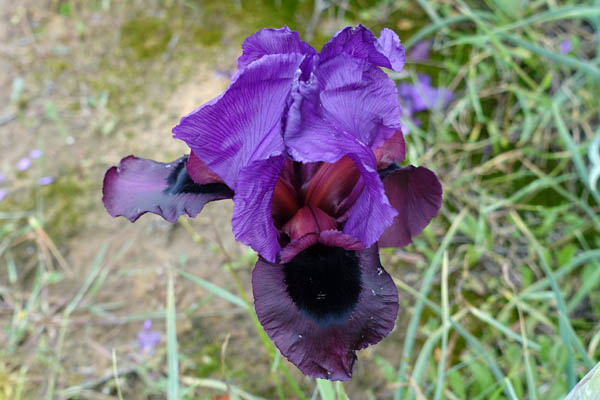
<point>3,193</point>
<point>420,51</point>
<point>309,147</point>
<point>35,153</point>
<point>148,339</point>
<point>565,46</point>
<point>46,180</point>
<point>24,164</point>
<point>421,96</point>
<point>2,177</point>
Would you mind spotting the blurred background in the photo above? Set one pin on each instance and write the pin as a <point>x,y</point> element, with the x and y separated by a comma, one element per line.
<point>499,295</point>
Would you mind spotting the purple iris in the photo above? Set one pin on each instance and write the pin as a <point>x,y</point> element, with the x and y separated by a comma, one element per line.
<point>307,144</point>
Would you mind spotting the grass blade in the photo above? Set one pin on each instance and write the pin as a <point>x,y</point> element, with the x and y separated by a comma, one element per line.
<point>439,387</point>
<point>326,389</point>
<point>172,356</point>
<point>475,345</point>
<point>426,285</point>
<point>211,287</point>
<point>576,156</point>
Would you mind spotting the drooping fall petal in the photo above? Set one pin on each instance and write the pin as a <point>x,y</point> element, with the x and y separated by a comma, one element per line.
<point>137,186</point>
<point>324,305</point>
<point>416,194</point>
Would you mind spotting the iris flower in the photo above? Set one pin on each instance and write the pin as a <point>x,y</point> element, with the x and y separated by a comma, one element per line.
<point>308,145</point>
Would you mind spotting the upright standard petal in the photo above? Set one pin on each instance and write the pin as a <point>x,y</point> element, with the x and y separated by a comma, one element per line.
<point>243,124</point>
<point>416,194</point>
<point>324,305</point>
<point>359,42</point>
<point>137,186</point>
<point>252,219</point>
<point>347,109</point>
<point>346,95</point>
<point>272,41</point>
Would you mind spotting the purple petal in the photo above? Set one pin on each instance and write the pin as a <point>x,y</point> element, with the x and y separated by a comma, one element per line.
<point>252,219</point>
<point>417,195</point>
<point>45,180</point>
<point>420,51</point>
<point>35,153</point>
<point>323,306</point>
<point>345,95</point>
<point>3,193</point>
<point>371,213</point>
<point>344,110</point>
<point>23,164</point>
<point>565,46</point>
<point>137,186</point>
<point>359,42</point>
<point>244,123</point>
<point>272,41</point>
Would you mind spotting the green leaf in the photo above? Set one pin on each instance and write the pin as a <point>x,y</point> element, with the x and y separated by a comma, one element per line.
<point>587,388</point>
<point>326,389</point>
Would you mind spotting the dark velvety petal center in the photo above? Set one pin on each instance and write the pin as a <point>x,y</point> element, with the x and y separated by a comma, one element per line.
<point>324,283</point>
<point>306,311</point>
<point>179,181</point>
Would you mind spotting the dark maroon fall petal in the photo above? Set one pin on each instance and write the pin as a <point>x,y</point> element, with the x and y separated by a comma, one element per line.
<point>335,238</point>
<point>137,186</point>
<point>324,305</point>
<point>417,195</point>
<point>296,246</point>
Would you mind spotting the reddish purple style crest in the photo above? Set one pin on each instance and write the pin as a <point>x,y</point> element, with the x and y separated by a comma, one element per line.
<point>308,145</point>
